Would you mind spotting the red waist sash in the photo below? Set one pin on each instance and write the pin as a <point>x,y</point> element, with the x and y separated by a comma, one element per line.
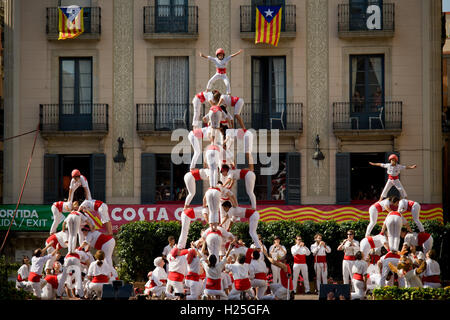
<point>350,258</point>
<point>221,70</point>
<point>242,284</point>
<point>261,276</point>
<point>34,277</point>
<point>176,276</point>
<point>213,284</point>
<point>431,279</point>
<point>300,258</point>
<point>101,278</point>
<point>358,276</point>
<point>193,276</point>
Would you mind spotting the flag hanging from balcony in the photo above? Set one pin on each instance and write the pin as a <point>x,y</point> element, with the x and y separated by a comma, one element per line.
<point>268,24</point>
<point>70,22</point>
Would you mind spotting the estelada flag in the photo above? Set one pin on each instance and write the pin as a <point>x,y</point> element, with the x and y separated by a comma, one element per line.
<point>97,222</point>
<point>70,22</point>
<point>268,24</point>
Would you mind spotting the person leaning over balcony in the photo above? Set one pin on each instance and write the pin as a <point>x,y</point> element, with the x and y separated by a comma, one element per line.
<point>393,170</point>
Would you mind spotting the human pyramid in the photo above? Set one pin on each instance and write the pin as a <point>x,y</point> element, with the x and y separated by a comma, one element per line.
<point>219,265</point>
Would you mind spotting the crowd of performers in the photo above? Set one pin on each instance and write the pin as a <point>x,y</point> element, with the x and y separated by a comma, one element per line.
<point>219,265</point>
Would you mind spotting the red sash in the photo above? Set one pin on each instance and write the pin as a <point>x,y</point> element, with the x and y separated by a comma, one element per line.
<point>242,173</point>
<point>196,174</point>
<point>192,276</point>
<point>422,237</point>
<point>374,258</point>
<point>198,133</point>
<point>215,232</point>
<point>73,255</point>
<point>176,276</point>
<point>19,278</point>
<point>214,109</point>
<point>371,242</point>
<point>97,204</point>
<point>242,284</point>
<point>101,278</point>
<point>350,258</point>
<point>392,255</point>
<point>75,213</point>
<point>378,206</point>
<point>249,212</point>
<point>201,97</point>
<point>284,279</point>
<point>431,279</point>
<point>102,239</point>
<point>213,147</point>
<point>300,258</point>
<point>213,284</point>
<point>320,259</point>
<point>59,205</point>
<point>393,177</point>
<point>189,212</point>
<point>234,100</point>
<point>394,213</point>
<point>215,188</point>
<point>221,70</point>
<point>54,239</point>
<point>53,280</point>
<point>358,276</point>
<point>410,205</point>
<point>34,277</point>
<point>248,256</point>
<point>261,276</point>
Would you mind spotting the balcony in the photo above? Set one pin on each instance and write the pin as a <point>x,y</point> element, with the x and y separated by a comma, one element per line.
<point>353,22</point>
<point>153,117</point>
<point>91,20</point>
<point>282,116</point>
<point>73,119</point>
<point>352,119</point>
<point>248,21</point>
<point>171,22</point>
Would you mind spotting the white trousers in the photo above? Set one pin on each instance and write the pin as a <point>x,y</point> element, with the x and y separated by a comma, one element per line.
<point>108,249</point>
<point>252,226</point>
<point>219,76</point>
<point>73,222</point>
<point>189,181</point>
<point>238,107</point>
<point>303,268</point>
<point>347,271</point>
<point>195,288</point>
<point>261,286</point>
<point>96,287</point>
<point>185,224</point>
<point>394,183</point>
<point>394,225</point>
<point>213,160</point>
<point>360,292</point>
<point>71,263</point>
<point>196,121</point>
<point>196,144</point>
<point>250,179</point>
<point>321,274</point>
<point>235,294</point>
<point>104,213</point>
<point>214,241</point>
<point>275,273</point>
<point>279,291</point>
<point>213,202</point>
<point>373,214</point>
<point>58,217</point>
<point>415,212</point>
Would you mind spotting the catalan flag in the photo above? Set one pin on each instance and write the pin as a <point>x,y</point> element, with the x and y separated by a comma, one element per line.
<point>70,22</point>
<point>97,222</point>
<point>268,24</point>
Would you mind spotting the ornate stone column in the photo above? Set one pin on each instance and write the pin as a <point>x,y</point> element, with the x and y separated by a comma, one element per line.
<point>318,178</point>
<point>123,98</point>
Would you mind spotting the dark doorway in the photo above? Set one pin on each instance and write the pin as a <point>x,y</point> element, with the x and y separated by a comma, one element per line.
<point>367,181</point>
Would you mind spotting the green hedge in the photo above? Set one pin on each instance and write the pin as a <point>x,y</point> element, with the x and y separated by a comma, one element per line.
<point>8,289</point>
<point>138,243</point>
<point>395,293</point>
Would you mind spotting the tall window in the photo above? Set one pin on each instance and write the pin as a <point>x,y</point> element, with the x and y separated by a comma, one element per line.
<point>268,92</point>
<point>171,15</point>
<point>171,92</point>
<point>271,187</point>
<point>366,87</point>
<point>75,93</point>
<point>169,186</point>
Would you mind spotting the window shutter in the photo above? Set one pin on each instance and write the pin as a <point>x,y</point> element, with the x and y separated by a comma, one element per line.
<point>293,182</point>
<point>98,169</point>
<point>393,192</point>
<point>343,178</point>
<point>51,182</point>
<point>148,178</point>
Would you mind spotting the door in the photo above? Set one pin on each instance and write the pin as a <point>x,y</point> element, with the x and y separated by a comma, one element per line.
<point>269,92</point>
<point>358,13</point>
<point>256,3</point>
<point>75,96</point>
<point>171,16</point>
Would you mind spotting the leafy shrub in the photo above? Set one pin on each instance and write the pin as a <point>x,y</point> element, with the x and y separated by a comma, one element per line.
<point>395,293</point>
<point>8,289</point>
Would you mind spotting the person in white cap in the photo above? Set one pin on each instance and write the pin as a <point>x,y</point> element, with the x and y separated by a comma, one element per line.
<point>189,179</point>
<point>393,224</point>
<point>158,279</point>
<point>350,246</point>
<point>393,170</point>
<point>300,252</point>
<point>57,210</point>
<point>187,216</point>
<point>421,239</point>
<point>378,207</point>
<point>78,180</point>
<point>245,174</point>
<point>406,205</point>
<point>96,206</point>
<point>205,96</point>
<point>220,61</point>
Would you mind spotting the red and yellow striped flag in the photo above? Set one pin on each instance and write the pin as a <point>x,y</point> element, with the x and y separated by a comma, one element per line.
<point>268,24</point>
<point>70,22</point>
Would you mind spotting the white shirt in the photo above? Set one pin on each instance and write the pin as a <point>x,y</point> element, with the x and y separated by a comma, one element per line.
<point>261,255</point>
<point>89,204</point>
<point>96,270</point>
<point>83,216</point>
<point>216,271</point>
<point>38,263</point>
<point>159,274</point>
<point>220,63</point>
<point>92,237</point>
<point>225,234</point>
<point>360,267</point>
<point>23,271</point>
<point>234,174</point>
<point>350,249</point>
<point>393,170</point>
<point>62,238</point>
<point>177,264</point>
<point>257,266</point>
<point>194,266</point>
<point>432,269</point>
<point>227,100</point>
<point>412,280</point>
<point>296,249</point>
<point>74,184</point>
<point>384,203</point>
<point>198,214</point>
<point>411,238</point>
<point>238,251</point>
<point>209,96</point>
<point>237,212</point>
<point>276,253</point>
<point>317,250</point>
<point>239,271</point>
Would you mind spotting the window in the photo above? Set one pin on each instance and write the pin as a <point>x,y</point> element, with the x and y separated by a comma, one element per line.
<point>171,92</point>
<point>171,16</point>
<point>366,88</point>
<point>169,179</point>
<point>75,93</point>
<point>359,15</point>
<point>268,92</point>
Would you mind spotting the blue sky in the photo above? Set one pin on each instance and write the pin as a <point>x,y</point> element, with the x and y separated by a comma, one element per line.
<point>445,5</point>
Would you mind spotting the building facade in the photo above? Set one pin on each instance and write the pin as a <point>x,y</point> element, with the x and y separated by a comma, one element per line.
<point>364,76</point>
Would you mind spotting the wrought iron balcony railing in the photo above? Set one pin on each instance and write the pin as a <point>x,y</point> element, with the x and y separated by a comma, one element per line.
<point>91,21</point>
